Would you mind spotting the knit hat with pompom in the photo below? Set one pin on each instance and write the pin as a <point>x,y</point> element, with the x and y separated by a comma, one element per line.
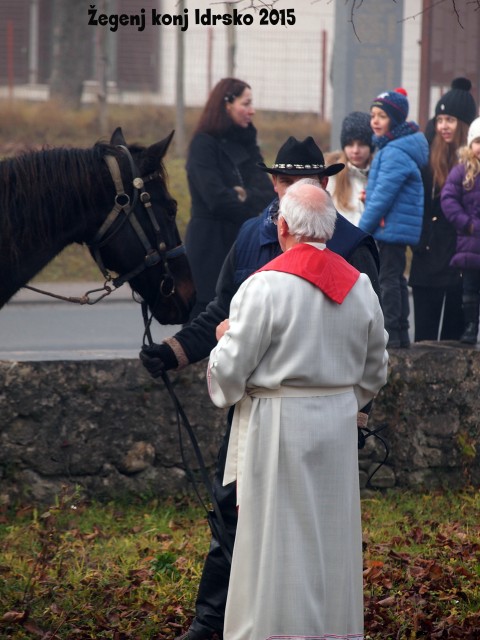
<point>473,131</point>
<point>458,102</point>
<point>395,105</point>
<point>356,126</point>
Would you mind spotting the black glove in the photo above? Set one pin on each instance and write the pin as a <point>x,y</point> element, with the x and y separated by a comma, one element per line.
<point>157,358</point>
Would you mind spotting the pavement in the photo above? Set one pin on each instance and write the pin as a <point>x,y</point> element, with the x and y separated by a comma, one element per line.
<point>34,326</point>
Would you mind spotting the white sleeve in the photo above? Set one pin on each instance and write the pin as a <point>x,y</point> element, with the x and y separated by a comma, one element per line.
<point>239,351</point>
<point>376,363</point>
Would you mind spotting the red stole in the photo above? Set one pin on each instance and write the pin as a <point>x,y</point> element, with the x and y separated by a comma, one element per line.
<point>325,269</point>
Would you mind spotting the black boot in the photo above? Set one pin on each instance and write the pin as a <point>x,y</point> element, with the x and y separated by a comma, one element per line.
<point>404,339</point>
<point>393,339</point>
<point>469,336</point>
<point>470,313</point>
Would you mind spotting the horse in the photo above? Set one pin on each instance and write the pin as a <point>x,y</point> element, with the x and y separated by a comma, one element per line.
<point>112,198</point>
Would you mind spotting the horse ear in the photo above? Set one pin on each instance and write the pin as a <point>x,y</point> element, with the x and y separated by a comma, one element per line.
<point>117,137</point>
<point>159,149</point>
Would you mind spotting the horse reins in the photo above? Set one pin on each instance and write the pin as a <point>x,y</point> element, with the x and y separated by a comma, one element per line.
<point>124,204</point>
<point>218,526</point>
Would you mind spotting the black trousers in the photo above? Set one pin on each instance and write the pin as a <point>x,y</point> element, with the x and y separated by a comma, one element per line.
<point>393,285</point>
<point>471,282</point>
<point>212,592</point>
<point>428,303</point>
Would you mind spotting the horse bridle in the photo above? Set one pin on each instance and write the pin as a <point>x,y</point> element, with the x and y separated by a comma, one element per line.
<point>153,255</point>
<point>123,203</point>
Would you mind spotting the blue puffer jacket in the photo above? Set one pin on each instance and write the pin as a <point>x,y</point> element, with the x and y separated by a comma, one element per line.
<point>462,209</point>
<point>394,205</point>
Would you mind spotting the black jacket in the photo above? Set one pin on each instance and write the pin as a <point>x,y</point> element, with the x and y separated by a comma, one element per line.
<point>198,339</point>
<point>430,265</point>
<point>214,167</point>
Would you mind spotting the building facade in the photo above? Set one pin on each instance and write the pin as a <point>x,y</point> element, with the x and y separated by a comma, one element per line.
<point>289,53</point>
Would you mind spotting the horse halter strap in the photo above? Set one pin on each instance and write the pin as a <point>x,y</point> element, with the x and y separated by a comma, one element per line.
<point>123,204</point>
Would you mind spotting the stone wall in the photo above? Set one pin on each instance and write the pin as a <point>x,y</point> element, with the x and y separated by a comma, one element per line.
<point>108,428</point>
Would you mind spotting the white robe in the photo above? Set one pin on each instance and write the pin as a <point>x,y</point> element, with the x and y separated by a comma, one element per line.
<point>303,365</point>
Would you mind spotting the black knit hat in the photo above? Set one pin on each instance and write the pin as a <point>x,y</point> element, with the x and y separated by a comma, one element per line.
<point>458,102</point>
<point>356,126</point>
<point>295,158</point>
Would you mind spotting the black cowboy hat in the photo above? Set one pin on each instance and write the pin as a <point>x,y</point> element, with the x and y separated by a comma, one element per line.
<point>305,158</point>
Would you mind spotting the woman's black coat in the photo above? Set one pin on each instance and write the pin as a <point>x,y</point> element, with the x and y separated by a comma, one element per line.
<point>214,167</point>
<point>430,265</point>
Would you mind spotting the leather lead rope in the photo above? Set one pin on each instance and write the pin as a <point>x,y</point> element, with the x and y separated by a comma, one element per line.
<point>217,524</point>
<point>365,433</point>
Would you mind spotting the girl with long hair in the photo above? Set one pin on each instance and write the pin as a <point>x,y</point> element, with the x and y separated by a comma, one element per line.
<point>460,201</point>
<point>436,286</point>
<point>347,188</point>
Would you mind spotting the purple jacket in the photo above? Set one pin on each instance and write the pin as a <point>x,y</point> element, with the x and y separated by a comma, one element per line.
<point>462,209</point>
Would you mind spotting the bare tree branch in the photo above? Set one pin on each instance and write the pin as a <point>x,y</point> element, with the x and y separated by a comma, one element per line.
<point>356,4</point>
<point>253,4</point>
<point>429,8</point>
<point>456,12</point>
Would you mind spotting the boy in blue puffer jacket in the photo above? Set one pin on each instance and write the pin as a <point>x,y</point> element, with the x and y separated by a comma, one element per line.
<point>394,203</point>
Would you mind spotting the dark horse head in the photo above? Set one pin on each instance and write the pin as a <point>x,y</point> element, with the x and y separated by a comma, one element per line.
<point>114,199</point>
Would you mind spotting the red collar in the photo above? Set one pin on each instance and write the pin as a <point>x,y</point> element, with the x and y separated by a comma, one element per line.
<point>325,269</point>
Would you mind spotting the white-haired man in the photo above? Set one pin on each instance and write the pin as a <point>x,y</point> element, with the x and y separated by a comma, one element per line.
<point>256,244</point>
<point>304,349</point>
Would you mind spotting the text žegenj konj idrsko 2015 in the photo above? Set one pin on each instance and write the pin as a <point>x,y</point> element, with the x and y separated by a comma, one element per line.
<point>205,17</point>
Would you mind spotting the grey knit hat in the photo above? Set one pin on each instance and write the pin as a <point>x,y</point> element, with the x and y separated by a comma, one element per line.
<point>356,126</point>
<point>458,102</point>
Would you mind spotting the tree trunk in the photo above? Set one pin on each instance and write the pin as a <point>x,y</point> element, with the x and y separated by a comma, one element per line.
<point>71,47</point>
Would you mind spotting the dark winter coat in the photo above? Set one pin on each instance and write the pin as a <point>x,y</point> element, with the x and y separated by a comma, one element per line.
<point>462,209</point>
<point>214,167</point>
<point>257,244</point>
<point>430,266</point>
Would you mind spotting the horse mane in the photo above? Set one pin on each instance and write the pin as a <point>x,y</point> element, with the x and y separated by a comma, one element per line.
<point>40,189</point>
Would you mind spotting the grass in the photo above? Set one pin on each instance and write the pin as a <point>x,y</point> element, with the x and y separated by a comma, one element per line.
<point>128,571</point>
<point>26,125</point>
<point>422,569</point>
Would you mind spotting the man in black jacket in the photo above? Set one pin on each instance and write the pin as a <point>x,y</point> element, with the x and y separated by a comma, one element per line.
<point>256,244</point>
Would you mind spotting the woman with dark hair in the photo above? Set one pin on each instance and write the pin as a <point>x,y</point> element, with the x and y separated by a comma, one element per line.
<point>436,286</point>
<point>226,185</point>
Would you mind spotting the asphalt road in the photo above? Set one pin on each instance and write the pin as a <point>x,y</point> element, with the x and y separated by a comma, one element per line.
<point>34,327</point>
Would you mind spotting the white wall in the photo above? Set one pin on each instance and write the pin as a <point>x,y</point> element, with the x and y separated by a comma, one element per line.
<point>282,63</point>
<point>411,54</point>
